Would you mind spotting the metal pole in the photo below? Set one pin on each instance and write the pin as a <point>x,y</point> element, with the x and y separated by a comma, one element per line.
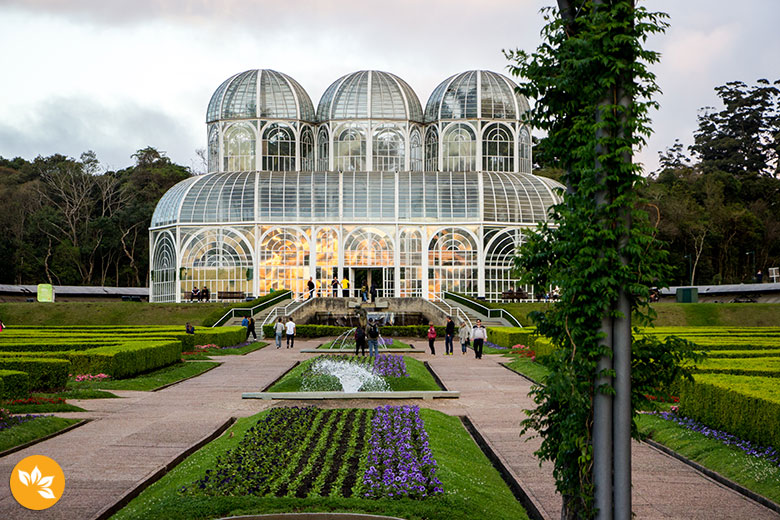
<point>622,409</point>
<point>602,432</point>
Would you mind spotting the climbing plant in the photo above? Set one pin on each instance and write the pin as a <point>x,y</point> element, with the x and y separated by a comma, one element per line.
<point>593,89</point>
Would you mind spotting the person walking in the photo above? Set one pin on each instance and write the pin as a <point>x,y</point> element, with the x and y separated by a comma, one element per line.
<point>478,336</point>
<point>251,329</point>
<point>449,335</point>
<point>373,338</point>
<point>360,340</point>
<point>245,322</point>
<point>345,287</point>
<point>335,286</point>
<point>431,338</point>
<point>464,334</point>
<point>278,331</point>
<point>290,332</point>
<point>2,325</point>
<point>373,292</point>
<point>310,286</point>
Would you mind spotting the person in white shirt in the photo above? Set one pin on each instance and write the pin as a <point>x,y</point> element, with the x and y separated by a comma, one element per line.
<point>290,332</point>
<point>478,337</point>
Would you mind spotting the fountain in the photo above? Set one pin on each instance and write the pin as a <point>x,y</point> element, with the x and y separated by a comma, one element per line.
<point>353,376</point>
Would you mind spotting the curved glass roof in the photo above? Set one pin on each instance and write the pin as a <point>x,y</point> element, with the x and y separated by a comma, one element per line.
<point>234,197</point>
<point>369,94</point>
<point>475,94</point>
<point>278,97</point>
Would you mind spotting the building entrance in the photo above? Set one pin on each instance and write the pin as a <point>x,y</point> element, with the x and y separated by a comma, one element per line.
<point>382,277</point>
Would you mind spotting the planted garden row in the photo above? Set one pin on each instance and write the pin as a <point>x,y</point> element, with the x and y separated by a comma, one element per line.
<point>308,452</point>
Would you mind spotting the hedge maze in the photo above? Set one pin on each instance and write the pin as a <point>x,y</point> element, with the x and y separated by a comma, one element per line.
<point>47,356</point>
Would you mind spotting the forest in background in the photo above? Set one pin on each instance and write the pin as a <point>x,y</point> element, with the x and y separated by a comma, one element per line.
<point>716,203</point>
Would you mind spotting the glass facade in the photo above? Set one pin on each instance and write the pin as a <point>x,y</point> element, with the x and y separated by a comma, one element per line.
<point>433,200</point>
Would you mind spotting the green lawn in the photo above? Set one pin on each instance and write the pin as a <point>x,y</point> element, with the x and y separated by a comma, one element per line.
<point>395,344</point>
<point>472,487</point>
<point>525,366</point>
<point>151,380</point>
<point>30,431</point>
<point>40,407</point>
<point>419,378</point>
<point>758,475</point>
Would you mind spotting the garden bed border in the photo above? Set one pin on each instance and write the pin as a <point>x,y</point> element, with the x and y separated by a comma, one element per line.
<point>44,438</point>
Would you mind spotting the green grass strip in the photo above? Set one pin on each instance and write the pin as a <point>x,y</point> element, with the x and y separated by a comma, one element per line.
<point>33,430</point>
<point>758,475</point>
<point>151,380</point>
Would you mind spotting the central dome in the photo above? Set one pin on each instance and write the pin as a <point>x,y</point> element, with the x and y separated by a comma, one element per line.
<point>369,94</point>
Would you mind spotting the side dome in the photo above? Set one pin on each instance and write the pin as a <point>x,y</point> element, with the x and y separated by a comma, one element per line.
<point>278,97</point>
<point>476,94</point>
<point>519,197</point>
<point>369,94</point>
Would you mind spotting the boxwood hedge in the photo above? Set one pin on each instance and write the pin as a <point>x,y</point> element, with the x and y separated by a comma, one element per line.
<point>14,384</point>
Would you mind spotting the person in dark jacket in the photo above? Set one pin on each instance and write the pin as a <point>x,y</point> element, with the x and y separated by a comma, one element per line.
<point>373,291</point>
<point>449,335</point>
<point>360,340</point>
<point>250,329</point>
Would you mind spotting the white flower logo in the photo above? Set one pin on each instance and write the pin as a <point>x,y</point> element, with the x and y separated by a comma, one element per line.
<point>36,479</point>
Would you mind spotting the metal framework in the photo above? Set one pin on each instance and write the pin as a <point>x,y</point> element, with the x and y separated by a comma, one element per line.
<point>428,201</point>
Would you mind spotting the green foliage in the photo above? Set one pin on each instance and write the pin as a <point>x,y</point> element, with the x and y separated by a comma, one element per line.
<point>44,374</point>
<point>14,384</point>
<point>593,92</point>
<point>748,407</point>
<point>149,380</point>
<point>32,430</point>
<point>511,336</point>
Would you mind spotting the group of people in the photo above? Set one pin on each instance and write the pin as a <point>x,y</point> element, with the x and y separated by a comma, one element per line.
<point>287,329</point>
<point>341,288</point>
<point>249,323</point>
<point>477,336</point>
<point>200,294</point>
<point>368,336</point>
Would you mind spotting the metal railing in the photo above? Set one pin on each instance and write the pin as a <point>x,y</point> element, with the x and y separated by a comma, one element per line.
<point>287,310</point>
<point>454,311</point>
<point>251,311</point>
<point>482,309</point>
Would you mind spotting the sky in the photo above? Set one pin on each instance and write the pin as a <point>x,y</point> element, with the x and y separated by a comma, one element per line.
<point>117,76</point>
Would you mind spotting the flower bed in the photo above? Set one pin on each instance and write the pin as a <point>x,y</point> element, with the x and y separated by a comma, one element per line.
<point>400,463</point>
<point>9,421</point>
<point>308,452</point>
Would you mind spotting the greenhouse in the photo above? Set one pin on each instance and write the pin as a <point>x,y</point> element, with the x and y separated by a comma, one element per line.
<point>369,187</point>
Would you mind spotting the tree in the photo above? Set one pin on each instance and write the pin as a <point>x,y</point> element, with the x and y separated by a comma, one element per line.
<point>593,92</point>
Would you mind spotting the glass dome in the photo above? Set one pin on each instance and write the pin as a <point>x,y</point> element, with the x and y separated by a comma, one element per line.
<point>475,94</point>
<point>278,97</point>
<point>369,94</point>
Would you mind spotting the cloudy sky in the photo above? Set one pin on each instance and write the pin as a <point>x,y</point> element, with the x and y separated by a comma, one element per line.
<point>116,76</point>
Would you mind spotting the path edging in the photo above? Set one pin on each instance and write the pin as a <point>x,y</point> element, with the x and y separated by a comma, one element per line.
<point>530,504</point>
<point>45,438</point>
<point>110,510</point>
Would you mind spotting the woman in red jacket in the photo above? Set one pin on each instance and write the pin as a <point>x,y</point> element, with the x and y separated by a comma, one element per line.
<point>431,338</point>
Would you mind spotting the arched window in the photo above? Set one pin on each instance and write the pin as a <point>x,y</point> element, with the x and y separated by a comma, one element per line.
<point>498,151</point>
<point>452,262</point>
<point>350,149</point>
<point>239,148</point>
<point>213,149</point>
<point>278,148</point>
<point>284,260</point>
<point>323,143</point>
<point>307,149</point>
<point>525,151</point>
<point>432,149</point>
<point>389,150</point>
<point>415,151</point>
<point>163,275</point>
<point>500,252</point>
<point>459,148</point>
<point>220,259</point>
<point>410,246</point>
<point>368,247</point>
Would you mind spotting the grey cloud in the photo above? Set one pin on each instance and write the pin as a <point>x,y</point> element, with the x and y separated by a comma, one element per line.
<point>71,126</point>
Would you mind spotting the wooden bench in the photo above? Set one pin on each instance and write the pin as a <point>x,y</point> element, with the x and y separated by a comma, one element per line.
<point>514,295</point>
<point>231,295</point>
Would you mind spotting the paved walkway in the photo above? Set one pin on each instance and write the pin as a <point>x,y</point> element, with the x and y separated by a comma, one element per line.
<point>132,438</point>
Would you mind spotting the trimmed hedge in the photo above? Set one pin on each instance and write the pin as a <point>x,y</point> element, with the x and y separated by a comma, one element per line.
<point>126,360</point>
<point>748,407</point>
<point>767,367</point>
<point>44,374</point>
<point>14,384</point>
<point>508,337</point>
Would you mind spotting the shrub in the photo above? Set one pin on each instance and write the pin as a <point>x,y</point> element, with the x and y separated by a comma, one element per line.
<point>14,384</point>
<point>43,373</point>
<point>508,337</point>
<point>748,407</point>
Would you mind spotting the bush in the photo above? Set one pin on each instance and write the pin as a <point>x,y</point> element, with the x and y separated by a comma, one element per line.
<point>748,407</point>
<point>43,373</point>
<point>508,337</point>
<point>126,360</point>
<point>14,384</point>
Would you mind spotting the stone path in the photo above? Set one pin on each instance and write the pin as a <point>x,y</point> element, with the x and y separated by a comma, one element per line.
<point>132,438</point>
